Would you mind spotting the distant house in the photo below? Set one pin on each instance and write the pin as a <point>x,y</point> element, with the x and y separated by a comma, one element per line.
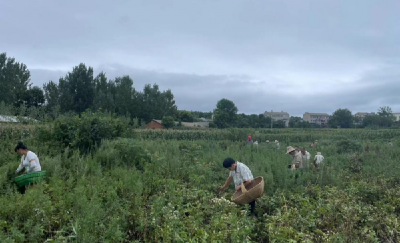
<point>397,115</point>
<point>157,124</point>
<point>321,119</point>
<point>154,124</point>
<point>205,119</point>
<point>278,116</point>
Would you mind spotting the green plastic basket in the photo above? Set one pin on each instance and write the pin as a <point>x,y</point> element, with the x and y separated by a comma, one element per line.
<point>30,178</point>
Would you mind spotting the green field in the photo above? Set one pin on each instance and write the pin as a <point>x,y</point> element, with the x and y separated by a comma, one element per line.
<point>160,186</point>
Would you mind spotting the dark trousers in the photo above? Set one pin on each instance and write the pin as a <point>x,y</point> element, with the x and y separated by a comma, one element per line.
<point>252,206</point>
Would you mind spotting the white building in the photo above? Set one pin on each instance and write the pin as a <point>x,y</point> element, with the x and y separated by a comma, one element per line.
<point>321,119</point>
<point>278,116</point>
<point>397,115</point>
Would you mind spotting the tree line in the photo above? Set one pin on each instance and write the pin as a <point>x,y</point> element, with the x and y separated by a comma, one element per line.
<point>79,90</point>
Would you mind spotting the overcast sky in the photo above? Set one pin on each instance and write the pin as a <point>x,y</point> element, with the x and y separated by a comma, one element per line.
<point>295,56</point>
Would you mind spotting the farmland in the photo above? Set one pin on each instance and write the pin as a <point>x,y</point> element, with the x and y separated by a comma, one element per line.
<point>127,185</point>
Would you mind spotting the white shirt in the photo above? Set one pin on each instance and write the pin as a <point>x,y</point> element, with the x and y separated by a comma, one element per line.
<point>305,156</point>
<point>318,158</point>
<point>241,174</point>
<point>30,162</point>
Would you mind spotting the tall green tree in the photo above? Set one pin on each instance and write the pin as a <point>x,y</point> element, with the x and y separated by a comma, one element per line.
<point>34,97</point>
<point>77,89</point>
<point>386,116</point>
<point>105,93</point>
<point>51,95</point>
<point>156,104</point>
<point>225,113</point>
<point>297,122</point>
<point>14,80</point>
<point>341,118</point>
<point>186,116</point>
<point>126,97</point>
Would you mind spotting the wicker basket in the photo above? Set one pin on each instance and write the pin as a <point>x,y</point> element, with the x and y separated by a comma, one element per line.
<point>253,191</point>
<point>30,178</point>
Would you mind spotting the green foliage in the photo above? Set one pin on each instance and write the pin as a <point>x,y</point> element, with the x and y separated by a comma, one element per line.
<point>156,190</point>
<point>34,97</point>
<point>85,132</point>
<point>156,104</point>
<point>77,89</point>
<point>341,118</point>
<point>14,80</point>
<point>186,116</point>
<point>348,146</point>
<point>225,113</point>
<point>168,122</point>
<point>297,122</point>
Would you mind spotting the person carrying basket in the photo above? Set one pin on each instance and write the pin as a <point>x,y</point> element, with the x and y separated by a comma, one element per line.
<point>239,173</point>
<point>29,161</point>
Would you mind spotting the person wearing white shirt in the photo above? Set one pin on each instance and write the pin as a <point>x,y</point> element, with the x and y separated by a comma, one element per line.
<point>318,159</point>
<point>29,160</point>
<point>305,155</point>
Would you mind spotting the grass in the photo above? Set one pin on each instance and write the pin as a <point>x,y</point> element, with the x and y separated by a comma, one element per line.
<point>161,187</point>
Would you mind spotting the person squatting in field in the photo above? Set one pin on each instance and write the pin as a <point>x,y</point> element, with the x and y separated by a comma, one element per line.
<point>29,159</point>
<point>249,141</point>
<point>297,158</point>
<point>239,173</point>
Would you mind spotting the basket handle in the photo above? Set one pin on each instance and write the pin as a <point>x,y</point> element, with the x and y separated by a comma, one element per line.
<point>243,188</point>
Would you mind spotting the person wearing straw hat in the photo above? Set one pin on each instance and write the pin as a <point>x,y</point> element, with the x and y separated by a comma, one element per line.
<point>239,173</point>
<point>318,158</point>
<point>297,159</point>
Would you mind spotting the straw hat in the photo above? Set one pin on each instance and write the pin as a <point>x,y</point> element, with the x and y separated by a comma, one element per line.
<point>318,153</point>
<point>289,149</point>
<point>267,141</point>
<point>276,141</point>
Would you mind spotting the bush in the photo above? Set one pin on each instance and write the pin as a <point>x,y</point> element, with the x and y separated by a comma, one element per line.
<point>122,152</point>
<point>168,122</point>
<point>347,146</point>
<point>86,132</point>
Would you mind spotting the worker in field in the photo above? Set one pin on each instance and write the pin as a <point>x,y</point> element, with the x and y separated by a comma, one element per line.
<point>297,162</point>
<point>278,146</point>
<point>312,145</point>
<point>29,159</point>
<point>305,156</point>
<point>318,159</point>
<point>249,141</point>
<point>239,173</point>
<point>390,144</point>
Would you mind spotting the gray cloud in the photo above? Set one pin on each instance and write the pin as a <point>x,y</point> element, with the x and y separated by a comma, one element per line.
<point>298,56</point>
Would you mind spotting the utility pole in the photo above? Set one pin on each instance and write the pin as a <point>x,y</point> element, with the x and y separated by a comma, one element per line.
<point>271,119</point>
